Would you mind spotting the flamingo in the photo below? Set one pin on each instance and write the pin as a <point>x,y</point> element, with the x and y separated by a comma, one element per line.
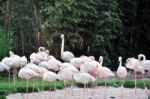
<point>9,62</point>
<point>17,63</point>
<point>36,69</point>
<point>4,67</point>
<point>65,65</point>
<point>67,55</point>
<point>104,72</point>
<point>91,67</point>
<point>122,73</point>
<point>144,63</point>
<point>54,64</point>
<point>66,74</point>
<point>83,78</point>
<point>24,61</point>
<point>77,62</point>
<point>133,64</point>
<point>27,74</point>
<point>50,76</point>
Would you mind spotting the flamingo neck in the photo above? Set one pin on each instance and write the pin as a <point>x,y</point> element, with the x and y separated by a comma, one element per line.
<point>62,46</point>
<point>144,58</point>
<point>101,61</point>
<point>120,63</point>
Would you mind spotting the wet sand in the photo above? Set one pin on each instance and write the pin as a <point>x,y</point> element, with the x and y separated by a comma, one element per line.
<point>90,93</point>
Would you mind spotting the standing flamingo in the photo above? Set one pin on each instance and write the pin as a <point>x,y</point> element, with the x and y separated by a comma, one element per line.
<point>17,63</point>
<point>4,67</point>
<point>27,74</point>
<point>122,73</point>
<point>50,76</point>
<point>133,64</point>
<point>66,56</point>
<point>104,72</point>
<point>145,64</point>
<point>9,62</point>
<point>84,78</point>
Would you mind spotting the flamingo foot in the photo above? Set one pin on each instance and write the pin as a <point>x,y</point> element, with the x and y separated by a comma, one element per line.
<point>146,91</point>
<point>122,96</point>
<point>135,91</point>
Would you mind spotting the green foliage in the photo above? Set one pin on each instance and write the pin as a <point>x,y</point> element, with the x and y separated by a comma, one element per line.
<point>6,42</point>
<point>90,27</point>
<point>2,97</point>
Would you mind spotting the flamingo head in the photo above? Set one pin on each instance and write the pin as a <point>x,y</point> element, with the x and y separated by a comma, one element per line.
<point>41,49</point>
<point>62,36</point>
<point>141,56</point>
<point>120,58</point>
<point>100,58</point>
<point>11,53</point>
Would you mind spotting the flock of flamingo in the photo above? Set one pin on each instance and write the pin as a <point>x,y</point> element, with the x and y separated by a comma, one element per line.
<point>82,69</point>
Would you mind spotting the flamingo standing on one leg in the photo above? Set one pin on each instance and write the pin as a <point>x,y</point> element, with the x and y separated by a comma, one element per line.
<point>122,73</point>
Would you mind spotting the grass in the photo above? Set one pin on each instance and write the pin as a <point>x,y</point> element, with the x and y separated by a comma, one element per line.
<point>7,87</point>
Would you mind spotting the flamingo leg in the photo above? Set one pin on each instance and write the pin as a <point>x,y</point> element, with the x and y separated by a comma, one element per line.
<point>84,91</point>
<point>135,87</point>
<point>95,84</point>
<point>42,85</point>
<point>105,89</point>
<point>33,86</point>
<point>14,75</point>
<point>27,89</point>
<point>122,87</point>
<point>50,92</point>
<point>145,88</point>
<point>9,76</point>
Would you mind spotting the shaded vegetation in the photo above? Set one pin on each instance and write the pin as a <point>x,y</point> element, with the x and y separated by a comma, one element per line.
<point>94,27</point>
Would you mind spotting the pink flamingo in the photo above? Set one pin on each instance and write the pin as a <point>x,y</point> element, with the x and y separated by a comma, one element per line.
<point>27,74</point>
<point>133,64</point>
<point>84,78</point>
<point>122,73</point>
<point>104,72</point>
<point>16,64</point>
<point>50,76</point>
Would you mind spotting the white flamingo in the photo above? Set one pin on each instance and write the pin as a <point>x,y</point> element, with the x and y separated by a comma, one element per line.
<point>84,78</point>
<point>67,55</point>
<point>122,73</point>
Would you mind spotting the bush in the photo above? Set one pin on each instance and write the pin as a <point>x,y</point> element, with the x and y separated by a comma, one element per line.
<point>2,97</point>
<point>6,41</point>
